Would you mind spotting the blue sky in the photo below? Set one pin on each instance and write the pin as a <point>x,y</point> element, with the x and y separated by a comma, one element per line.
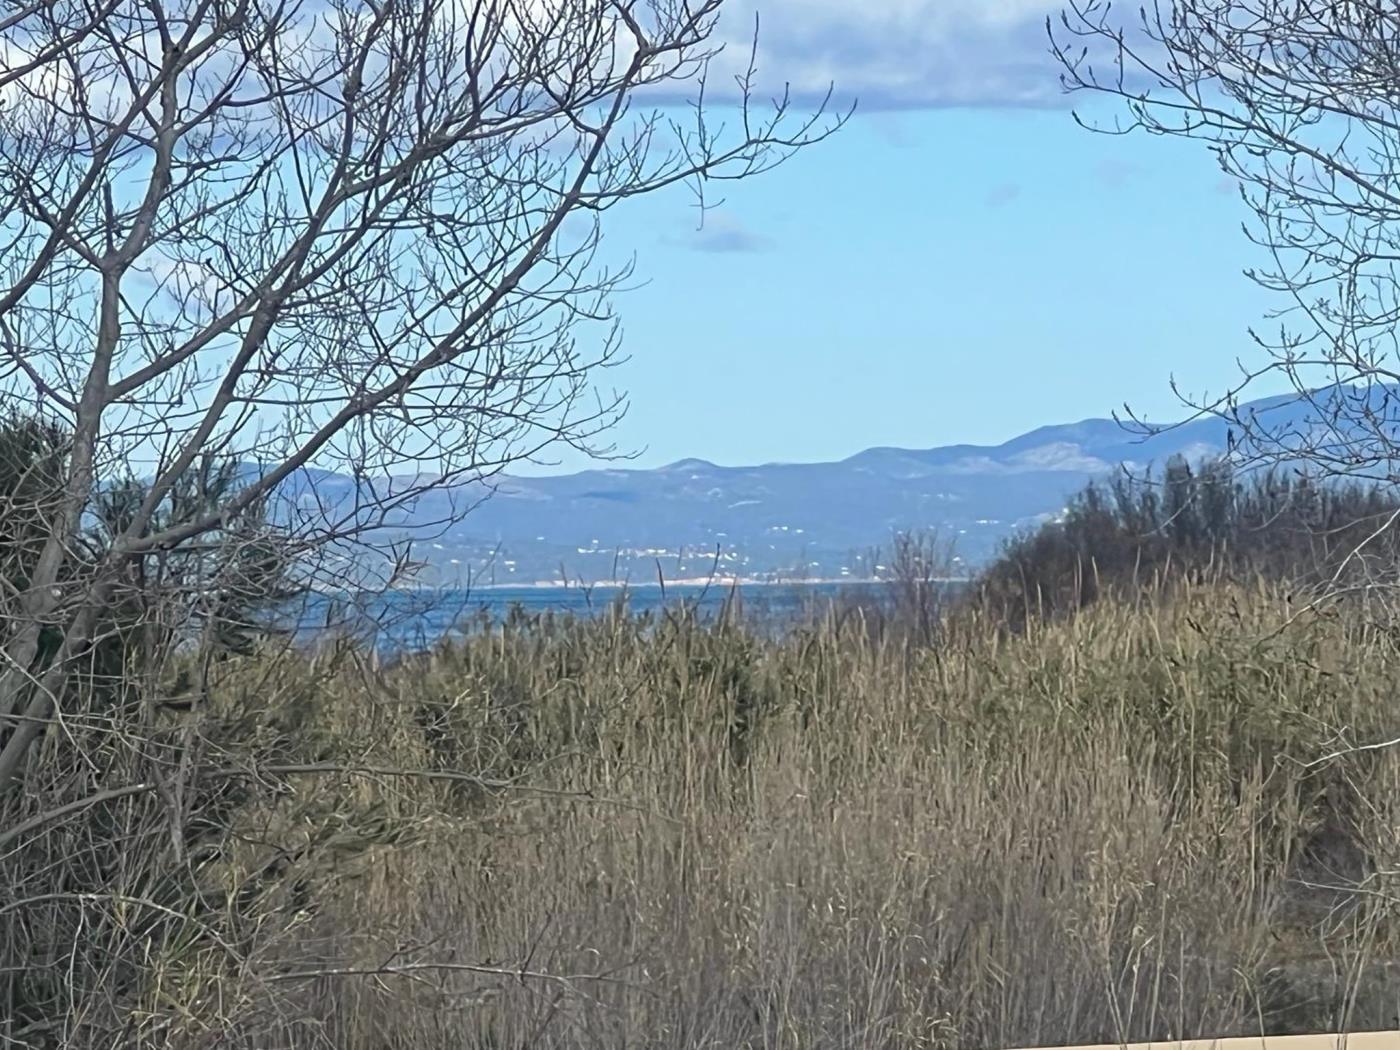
<point>960,263</point>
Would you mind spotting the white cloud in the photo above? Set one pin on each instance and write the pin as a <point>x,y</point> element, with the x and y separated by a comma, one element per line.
<point>895,54</point>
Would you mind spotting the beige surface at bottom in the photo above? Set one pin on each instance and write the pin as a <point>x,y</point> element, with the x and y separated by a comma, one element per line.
<point>1351,1041</point>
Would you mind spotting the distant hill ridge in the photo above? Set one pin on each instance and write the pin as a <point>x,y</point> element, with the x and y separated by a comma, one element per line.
<point>815,519</point>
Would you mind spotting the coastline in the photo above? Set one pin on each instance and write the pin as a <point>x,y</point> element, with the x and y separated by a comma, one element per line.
<point>686,583</point>
<point>689,582</point>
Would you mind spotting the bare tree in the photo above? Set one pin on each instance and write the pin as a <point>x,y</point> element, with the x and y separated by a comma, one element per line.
<point>356,236</point>
<point>1299,101</point>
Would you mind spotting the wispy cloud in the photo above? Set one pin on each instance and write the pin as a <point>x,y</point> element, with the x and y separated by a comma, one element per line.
<point>897,54</point>
<point>893,128</point>
<point>1114,172</point>
<point>1002,194</point>
<point>723,231</point>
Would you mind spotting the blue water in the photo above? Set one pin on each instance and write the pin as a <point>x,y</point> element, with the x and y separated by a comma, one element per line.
<point>406,620</point>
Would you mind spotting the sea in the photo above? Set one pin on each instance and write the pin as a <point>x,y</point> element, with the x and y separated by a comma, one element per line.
<point>409,620</point>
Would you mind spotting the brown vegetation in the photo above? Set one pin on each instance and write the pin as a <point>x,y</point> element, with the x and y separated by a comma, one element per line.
<point>1116,825</point>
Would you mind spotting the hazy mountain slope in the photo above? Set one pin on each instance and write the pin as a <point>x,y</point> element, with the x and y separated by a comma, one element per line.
<point>820,519</point>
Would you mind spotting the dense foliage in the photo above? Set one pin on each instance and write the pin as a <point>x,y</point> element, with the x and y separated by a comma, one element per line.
<point>1184,523</point>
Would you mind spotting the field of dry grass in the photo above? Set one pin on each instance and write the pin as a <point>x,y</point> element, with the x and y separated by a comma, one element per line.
<point>1115,827</point>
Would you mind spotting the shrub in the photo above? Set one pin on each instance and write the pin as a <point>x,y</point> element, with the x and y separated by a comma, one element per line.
<point>1137,535</point>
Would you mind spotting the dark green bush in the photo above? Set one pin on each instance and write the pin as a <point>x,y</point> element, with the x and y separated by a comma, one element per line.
<point>1134,534</point>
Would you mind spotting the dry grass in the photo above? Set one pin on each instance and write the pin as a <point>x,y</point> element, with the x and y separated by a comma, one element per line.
<point>1104,830</point>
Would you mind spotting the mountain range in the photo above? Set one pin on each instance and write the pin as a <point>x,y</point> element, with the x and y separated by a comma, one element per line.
<point>788,520</point>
